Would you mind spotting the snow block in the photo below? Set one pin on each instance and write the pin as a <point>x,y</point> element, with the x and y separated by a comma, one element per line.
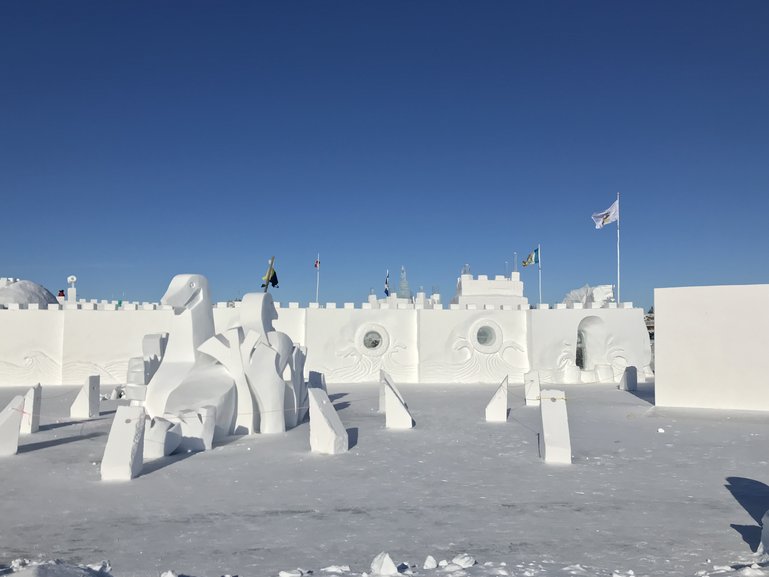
<point>604,374</point>
<point>531,388</point>
<point>386,379</point>
<point>30,417</point>
<point>10,421</point>
<point>383,565</point>
<point>555,427</point>
<point>135,392</point>
<point>629,380</point>
<point>327,434</point>
<point>135,373</point>
<point>124,453</point>
<point>161,437</point>
<point>397,415</point>
<point>197,428</point>
<point>86,405</point>
<point>496,410</point>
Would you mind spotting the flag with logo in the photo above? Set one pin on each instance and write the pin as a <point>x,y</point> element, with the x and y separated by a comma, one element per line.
<point>270,278</point>
<point>533,258</point>
<point>604,217</point>
<point>387,284</point>
<point>317,263</point>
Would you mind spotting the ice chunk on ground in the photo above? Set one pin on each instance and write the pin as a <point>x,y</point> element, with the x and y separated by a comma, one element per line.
<point>383,565</point>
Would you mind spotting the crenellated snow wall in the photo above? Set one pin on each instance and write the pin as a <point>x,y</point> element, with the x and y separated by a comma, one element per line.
<point>462,343</point>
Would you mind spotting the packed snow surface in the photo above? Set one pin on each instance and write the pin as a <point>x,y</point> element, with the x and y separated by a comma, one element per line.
<point>651,492</point>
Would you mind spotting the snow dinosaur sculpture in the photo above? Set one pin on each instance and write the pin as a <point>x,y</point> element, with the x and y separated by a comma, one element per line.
<point>239,371</point>
<point>189,379</point>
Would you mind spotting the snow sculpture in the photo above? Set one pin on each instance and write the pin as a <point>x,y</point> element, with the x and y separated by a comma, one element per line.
<point>555,427</point>
<point>135,373</point>
<point>257,356</point>
<point>397,415</point>
<point>496,410</point>
<point>124,453</point>
<point>629,380</point>
<point>238,373</point>
<point>228,348</point>
<point>161,437</point>
<point>197,428</point>
<point>10,420</point>
<point>599,295</point>
<point>297,401</point>
<point>153,351</point>
<point>531,389</point>
<point>188,379</point>
<point>280,405</point>
<point>327,434</point>
<point>25,292</point>
<point>88,400</point>
<point>268,386</point>
<point>30,418</point>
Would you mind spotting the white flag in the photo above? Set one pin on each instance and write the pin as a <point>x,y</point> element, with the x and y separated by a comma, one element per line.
<point>611,214</point>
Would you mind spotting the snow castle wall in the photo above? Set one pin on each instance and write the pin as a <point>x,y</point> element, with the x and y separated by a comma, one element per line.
<point>711,344</point>
<point>461,343</point>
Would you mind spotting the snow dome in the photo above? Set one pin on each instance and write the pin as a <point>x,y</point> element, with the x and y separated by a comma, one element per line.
<point>24,292</point>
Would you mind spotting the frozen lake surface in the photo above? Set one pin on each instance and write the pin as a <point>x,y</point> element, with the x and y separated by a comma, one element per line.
<point>651,492</point>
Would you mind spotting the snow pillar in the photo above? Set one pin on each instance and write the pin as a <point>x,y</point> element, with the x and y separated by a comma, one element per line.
<point>555,427</point>
<point>124,453</point>
<point>10,420</point>
<point>86,405</point>
<point>496,410</point>
<point>327,434</point>
<point>629,380</point>
<point>30,418</point>
<point>531,388</point>
<point>397,415</point>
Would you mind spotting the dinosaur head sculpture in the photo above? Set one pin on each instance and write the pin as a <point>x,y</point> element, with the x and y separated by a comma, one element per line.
<point>185,292</point>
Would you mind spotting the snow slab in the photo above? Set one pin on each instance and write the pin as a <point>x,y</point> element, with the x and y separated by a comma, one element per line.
<point>684,503</point>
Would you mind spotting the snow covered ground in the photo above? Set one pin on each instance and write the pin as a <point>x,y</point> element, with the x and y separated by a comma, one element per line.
<point>651,492</point>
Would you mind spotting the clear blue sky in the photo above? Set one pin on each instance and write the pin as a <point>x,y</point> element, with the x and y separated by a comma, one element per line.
<point>141,140</point>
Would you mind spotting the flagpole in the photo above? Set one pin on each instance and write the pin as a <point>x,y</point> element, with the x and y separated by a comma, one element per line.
<point>619,300</point>
<point>539,265</point>
<point>317,278</point>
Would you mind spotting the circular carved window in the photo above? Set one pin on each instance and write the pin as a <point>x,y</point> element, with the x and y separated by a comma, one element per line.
<point>486,336</point>
<point>372,340</point>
